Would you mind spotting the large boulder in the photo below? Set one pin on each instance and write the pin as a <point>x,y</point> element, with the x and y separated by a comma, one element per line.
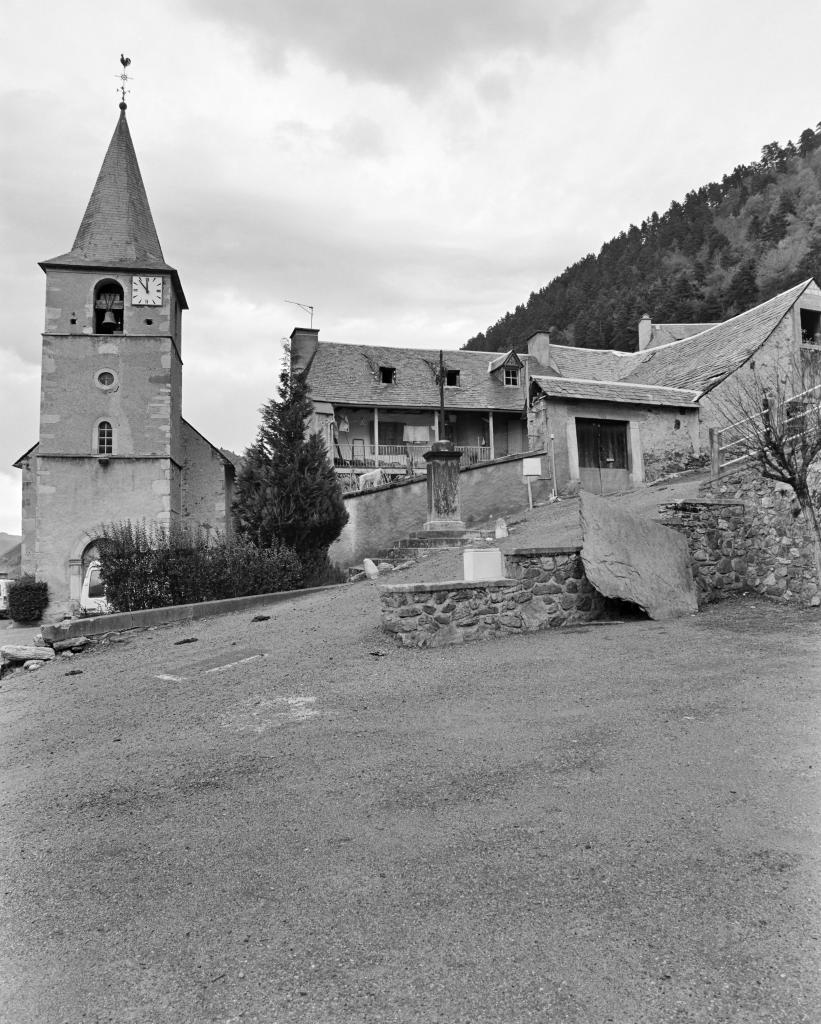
<point>636,560</point>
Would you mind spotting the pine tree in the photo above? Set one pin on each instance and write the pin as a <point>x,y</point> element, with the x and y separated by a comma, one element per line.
<point>287,491</point>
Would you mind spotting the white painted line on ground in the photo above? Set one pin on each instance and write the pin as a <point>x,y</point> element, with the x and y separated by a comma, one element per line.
<point>232,664</point>
<point>207,666</point>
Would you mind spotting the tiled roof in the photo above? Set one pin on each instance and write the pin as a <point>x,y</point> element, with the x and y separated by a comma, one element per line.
<point>614,391</point>
<point>117,229</point>
<point>349,375</point>
<point>704,360</point>
<point>664,333</point>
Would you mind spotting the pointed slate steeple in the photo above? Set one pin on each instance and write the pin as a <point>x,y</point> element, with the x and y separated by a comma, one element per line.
<point>117,230</point>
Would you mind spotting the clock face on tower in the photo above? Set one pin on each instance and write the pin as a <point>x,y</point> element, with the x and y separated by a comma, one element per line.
<point>146,291</point>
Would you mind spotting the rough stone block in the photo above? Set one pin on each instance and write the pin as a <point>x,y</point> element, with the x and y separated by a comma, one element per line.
<point>511,621</point>
<point>547,588</point>
<point>635,560</point>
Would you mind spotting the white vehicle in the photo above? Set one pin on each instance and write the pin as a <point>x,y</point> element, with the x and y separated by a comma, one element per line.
<point>5,586</point>
<point>92,596</point>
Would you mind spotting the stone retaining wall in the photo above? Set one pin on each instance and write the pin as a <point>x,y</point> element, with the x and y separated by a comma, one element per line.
<point>746,536</point>
<point>715,532</point>
<point>545,588</point>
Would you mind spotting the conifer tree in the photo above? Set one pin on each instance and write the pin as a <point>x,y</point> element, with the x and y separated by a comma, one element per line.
<point>287,491</point>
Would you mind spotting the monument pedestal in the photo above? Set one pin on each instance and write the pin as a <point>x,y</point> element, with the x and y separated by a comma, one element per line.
<point>444,506</point>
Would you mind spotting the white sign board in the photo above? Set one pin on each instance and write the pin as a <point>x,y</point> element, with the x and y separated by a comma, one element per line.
<point>531,467</point>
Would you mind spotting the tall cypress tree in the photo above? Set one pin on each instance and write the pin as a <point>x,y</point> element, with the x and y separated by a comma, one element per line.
<point>287,491</point>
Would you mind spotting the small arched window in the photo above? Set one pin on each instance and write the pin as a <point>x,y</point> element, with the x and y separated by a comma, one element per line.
<point>108,308</point>
<point>105,438</point>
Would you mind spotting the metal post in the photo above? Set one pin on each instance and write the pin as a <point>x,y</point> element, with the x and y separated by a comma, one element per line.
<point>376,437</point>
<point>441,393</point>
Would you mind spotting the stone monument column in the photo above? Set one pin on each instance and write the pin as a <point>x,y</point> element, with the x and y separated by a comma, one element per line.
<point>444,507</point>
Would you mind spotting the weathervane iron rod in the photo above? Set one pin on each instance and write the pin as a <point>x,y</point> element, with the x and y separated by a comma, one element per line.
<point>125,61</point>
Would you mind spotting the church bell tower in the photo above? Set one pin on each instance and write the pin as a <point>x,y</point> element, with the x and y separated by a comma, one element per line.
<point>110,446</point>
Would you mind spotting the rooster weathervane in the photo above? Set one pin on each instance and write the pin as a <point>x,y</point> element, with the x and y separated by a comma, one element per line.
<point>124,77</point>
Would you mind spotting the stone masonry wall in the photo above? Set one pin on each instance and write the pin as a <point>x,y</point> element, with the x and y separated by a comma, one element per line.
<point>745,536</point>
<point>546,587</point>
<point>715,532</point>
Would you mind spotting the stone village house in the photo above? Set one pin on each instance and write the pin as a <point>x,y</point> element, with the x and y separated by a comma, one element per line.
<point>378,407</point>
<point>613,420</point>
<point>113,443</point>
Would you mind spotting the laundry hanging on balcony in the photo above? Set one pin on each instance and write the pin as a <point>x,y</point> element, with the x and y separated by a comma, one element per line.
<point>415,434</point>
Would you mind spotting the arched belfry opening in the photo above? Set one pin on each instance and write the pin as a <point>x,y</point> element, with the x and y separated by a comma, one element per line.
<point>108,308</point>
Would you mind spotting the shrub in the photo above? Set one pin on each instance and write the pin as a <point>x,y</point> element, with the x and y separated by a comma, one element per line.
<point>28,599</point>
<point>158,566</point>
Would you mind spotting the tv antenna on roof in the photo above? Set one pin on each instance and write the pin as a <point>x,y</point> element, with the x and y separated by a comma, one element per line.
<point>302,305</point>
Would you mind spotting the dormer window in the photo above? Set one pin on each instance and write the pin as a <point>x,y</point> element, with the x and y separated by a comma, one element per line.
<point>451,378</point>
<point>511,376</point>
<point>810,327</point>
<point>387,374</point>
<point>108,308</point>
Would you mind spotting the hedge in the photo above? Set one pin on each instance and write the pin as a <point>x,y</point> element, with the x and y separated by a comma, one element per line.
<point>152,567</point>
<point>28,599</point>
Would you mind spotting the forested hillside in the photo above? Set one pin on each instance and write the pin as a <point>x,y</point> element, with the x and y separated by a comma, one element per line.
<point>727,246</point>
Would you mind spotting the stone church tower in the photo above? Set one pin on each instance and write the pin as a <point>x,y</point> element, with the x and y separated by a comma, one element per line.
<point>113,444</point>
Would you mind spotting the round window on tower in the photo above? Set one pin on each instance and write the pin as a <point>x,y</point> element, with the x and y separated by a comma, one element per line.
<point>106,380</point>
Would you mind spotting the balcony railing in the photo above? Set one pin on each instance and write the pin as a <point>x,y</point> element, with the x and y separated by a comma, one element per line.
<point>398,458</point>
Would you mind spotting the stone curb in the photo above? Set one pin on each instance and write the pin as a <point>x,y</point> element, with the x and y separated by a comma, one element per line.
<point>174,613</point>
<point>424,588</point>
<point>554,549</point>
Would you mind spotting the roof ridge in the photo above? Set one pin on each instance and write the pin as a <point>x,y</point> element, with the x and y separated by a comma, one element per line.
<point>722,323</point>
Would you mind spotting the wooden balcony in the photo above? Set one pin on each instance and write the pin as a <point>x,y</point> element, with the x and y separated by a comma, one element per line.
<point>396,459</point>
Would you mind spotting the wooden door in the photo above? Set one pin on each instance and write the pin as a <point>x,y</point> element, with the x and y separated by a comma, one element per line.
<point>603,463</point>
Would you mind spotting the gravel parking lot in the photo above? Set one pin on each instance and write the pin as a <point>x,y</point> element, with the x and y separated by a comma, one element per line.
<point>611,823</point>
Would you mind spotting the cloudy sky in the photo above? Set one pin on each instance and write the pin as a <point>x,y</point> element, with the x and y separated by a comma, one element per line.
<point>411,168</point>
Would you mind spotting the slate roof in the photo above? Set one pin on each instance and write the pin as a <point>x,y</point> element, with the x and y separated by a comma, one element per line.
<point>586,363</point>
<point>696,363</point>
<point>673,374</point>
<point>348,375</point>
<point>664,333</point>
<point>704,360</point>
<point>615,391</point>
<point>117,230</point>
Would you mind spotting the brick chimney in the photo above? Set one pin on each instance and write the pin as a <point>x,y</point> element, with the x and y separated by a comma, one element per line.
<point>538,346</point>
<point>304,341</point>
<point>645,332</point>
